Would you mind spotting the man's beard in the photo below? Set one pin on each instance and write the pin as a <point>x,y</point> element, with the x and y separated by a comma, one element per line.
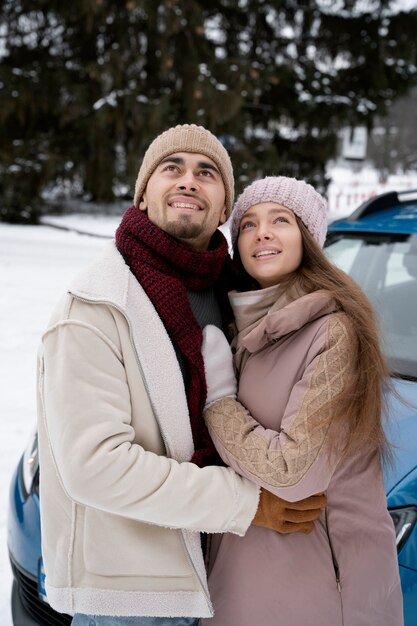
<point>183,229</point>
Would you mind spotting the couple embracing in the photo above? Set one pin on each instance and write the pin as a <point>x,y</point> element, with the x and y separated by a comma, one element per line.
<point>210,429</point>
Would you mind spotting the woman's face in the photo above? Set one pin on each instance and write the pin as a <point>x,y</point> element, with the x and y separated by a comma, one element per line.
<point>270,243</point>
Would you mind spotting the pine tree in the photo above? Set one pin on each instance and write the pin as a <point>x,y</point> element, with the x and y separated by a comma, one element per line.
<point>85,86</point>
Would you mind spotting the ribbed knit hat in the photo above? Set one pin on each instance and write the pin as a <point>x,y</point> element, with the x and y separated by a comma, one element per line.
<point>186,138</point>
<point>294,194</point>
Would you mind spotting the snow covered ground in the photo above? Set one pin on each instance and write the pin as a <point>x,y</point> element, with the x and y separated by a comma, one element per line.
<point>36,263</point>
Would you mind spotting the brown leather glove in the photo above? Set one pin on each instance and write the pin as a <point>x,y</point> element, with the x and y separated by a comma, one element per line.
<point>288,517</point>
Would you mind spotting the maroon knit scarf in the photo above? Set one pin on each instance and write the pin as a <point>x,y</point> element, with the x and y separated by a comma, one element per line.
<point>167,269</point>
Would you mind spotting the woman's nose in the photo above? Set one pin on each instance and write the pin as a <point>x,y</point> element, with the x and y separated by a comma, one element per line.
<point>263,233</point>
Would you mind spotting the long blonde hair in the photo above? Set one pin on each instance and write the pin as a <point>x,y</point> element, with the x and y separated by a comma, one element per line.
<point>362,402</point>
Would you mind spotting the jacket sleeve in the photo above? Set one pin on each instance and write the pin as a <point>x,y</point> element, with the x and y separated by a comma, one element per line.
<point>86,415</point>
<point>292,463</point>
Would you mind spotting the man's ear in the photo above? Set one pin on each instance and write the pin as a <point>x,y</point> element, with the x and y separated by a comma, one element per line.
<point>143,205</point>
<point>223,217</point>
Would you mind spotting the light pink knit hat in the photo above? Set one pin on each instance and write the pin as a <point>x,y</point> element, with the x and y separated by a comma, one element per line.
<point>294,194</point>
<point>186,138</point>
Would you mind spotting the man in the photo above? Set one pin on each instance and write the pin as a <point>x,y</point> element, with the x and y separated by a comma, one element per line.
<point>127,480</point>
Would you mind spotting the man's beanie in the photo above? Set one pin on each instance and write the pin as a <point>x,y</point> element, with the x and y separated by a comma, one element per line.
<point>294,194</point>
<point>186,138</point>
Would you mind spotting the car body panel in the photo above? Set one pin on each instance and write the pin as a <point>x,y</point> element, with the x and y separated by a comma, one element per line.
<point>402,434</point>
<point>28,604</point>
<point>24,533</point>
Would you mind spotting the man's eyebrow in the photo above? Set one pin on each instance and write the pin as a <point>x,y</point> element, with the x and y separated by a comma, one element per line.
<point>172,159</point>
<point>203,165</point>
<point>207,166</point>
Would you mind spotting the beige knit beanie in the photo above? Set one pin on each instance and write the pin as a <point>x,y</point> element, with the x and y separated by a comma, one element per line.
<point>294,194</point>
<point>186,138</point>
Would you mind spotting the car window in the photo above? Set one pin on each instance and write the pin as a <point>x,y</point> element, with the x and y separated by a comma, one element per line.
<point>397,272</point>
<point>343,252</point>
<point>385,266</point>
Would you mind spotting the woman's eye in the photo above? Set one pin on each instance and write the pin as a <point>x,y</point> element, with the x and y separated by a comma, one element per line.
<point>246,225</point>
<point>281,218</point>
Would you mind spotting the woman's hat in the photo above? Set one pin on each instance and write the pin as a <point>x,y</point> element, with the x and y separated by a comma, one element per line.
<point>294,194</point>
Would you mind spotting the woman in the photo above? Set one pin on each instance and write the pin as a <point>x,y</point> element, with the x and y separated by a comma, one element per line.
<point>307,420</point>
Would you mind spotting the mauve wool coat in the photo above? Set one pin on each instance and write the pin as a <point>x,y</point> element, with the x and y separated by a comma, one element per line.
<point>296,361</point>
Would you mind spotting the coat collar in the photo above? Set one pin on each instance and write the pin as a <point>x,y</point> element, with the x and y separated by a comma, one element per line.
<point>266,315</point>
<point>105,280</point>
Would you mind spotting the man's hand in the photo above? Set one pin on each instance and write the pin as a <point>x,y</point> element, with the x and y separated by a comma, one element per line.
<point>288,517</point>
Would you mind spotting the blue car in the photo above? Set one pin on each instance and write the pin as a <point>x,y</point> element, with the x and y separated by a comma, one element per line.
<point>377,246</point>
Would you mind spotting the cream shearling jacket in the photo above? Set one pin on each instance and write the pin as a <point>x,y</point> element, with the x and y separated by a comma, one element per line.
<point>121,506</point>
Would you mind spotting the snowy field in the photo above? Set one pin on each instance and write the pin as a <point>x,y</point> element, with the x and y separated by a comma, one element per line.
<point>36,264</point>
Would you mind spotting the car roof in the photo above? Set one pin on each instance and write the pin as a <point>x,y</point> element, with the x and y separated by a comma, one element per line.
<point>392,212</point>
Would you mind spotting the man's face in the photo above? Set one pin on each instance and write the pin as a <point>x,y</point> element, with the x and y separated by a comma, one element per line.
<point>185,197</point>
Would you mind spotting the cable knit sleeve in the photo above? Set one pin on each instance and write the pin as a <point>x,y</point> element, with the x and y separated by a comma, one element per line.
<point>292,462</point>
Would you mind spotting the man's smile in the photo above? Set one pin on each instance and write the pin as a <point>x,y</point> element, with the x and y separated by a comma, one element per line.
<point>186,203</point>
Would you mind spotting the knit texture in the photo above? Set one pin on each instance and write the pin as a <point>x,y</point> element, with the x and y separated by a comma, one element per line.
<point>186,138</point>
<point>167,269</point>
<point>294,194</point>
